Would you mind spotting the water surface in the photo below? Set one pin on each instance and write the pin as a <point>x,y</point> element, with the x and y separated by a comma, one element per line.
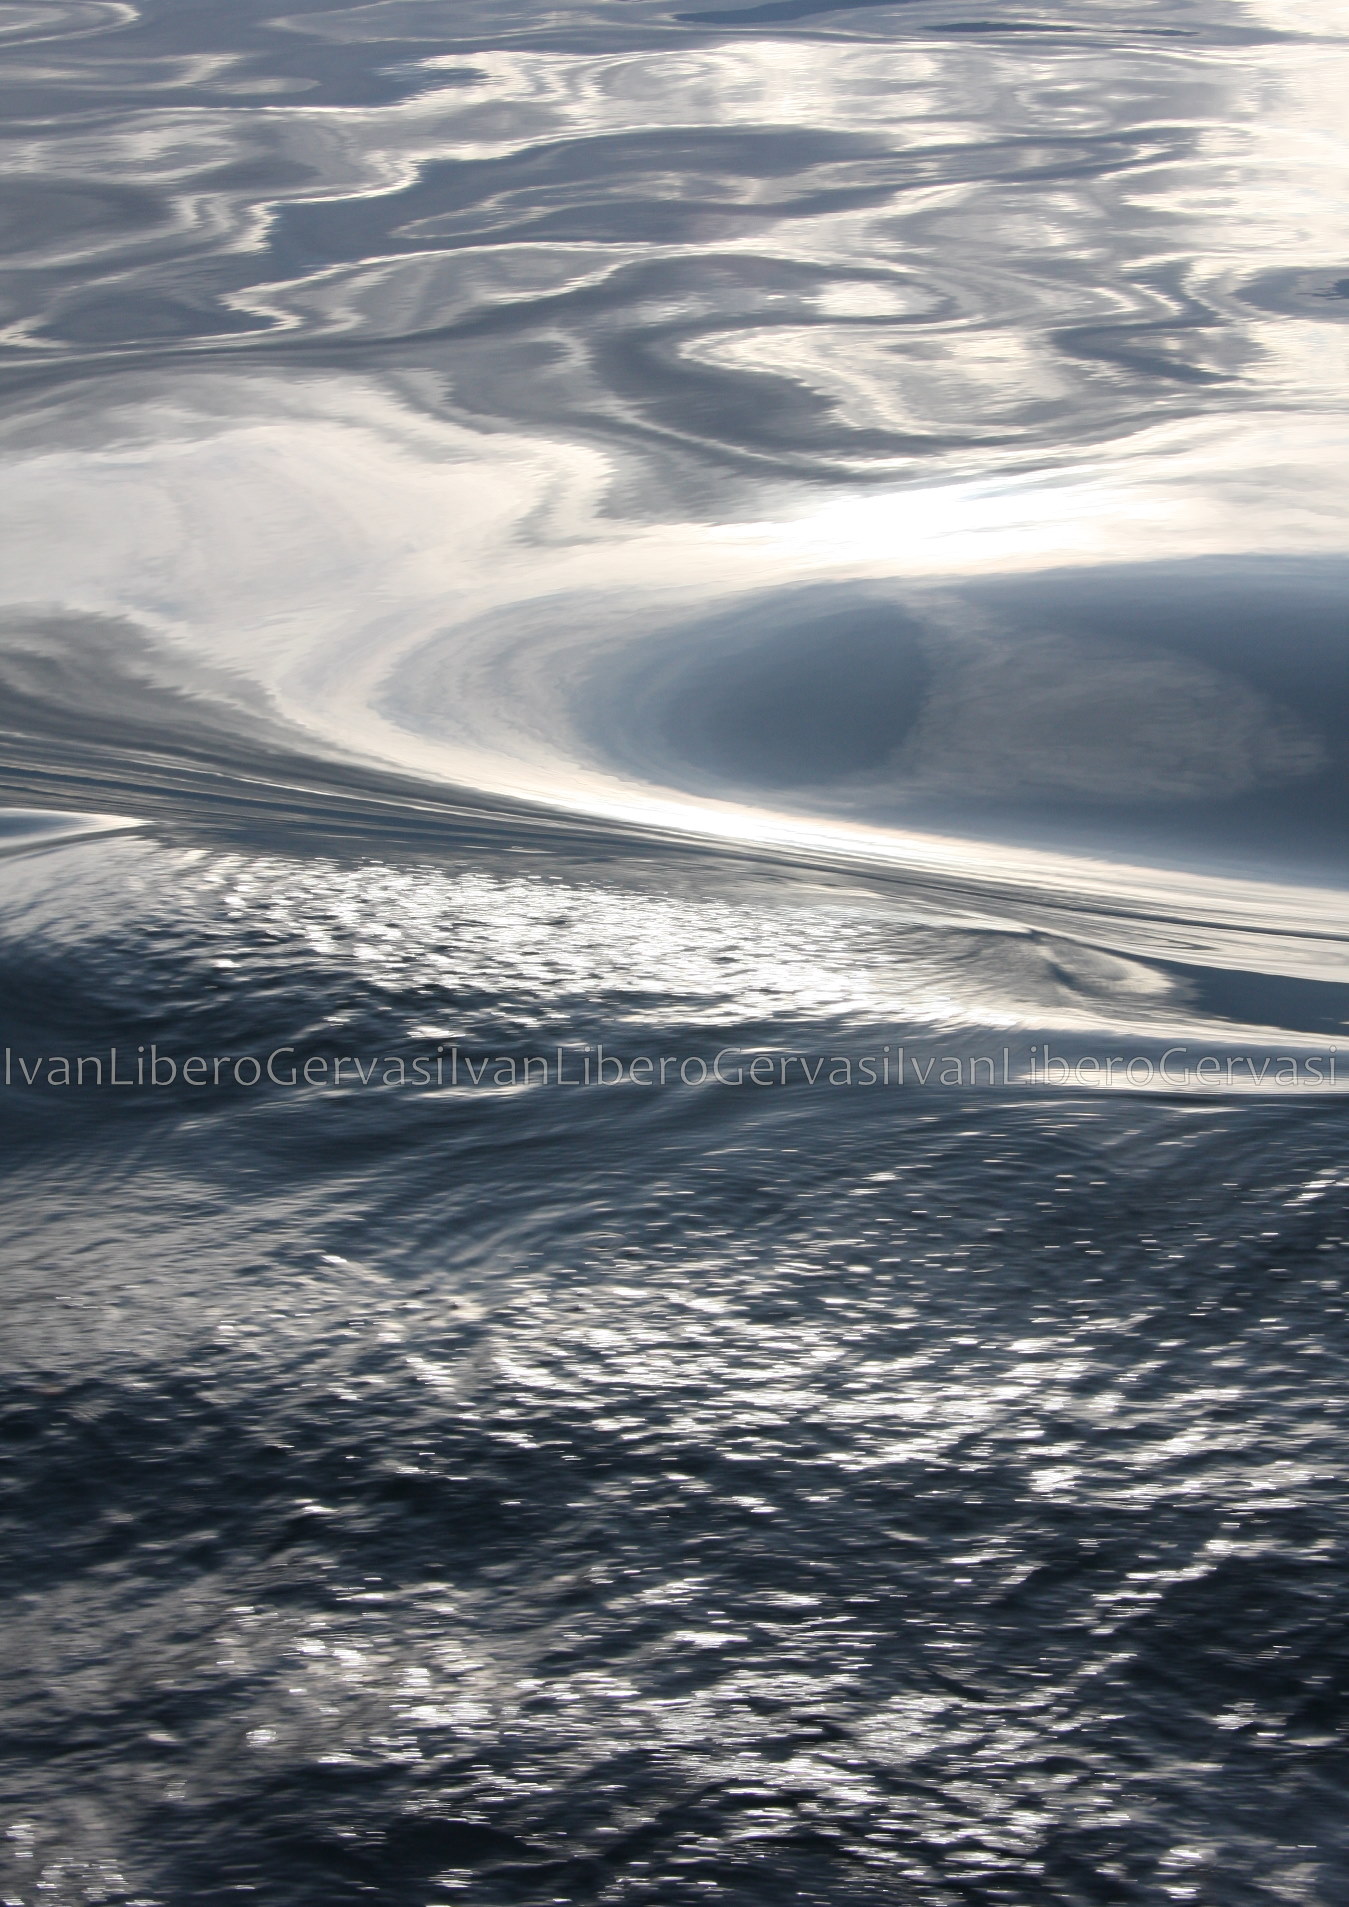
<point>796,536</point>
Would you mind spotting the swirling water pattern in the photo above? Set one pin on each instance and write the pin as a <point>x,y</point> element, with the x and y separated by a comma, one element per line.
<point>787,531</point>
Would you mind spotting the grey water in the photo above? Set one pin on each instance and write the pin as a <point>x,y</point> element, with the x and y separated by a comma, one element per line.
<point>674,910</point>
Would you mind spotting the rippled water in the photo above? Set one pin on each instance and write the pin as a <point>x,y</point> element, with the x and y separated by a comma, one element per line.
<point>674,953</point>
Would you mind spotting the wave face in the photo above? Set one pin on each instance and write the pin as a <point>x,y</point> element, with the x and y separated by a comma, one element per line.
<point>673,966</point>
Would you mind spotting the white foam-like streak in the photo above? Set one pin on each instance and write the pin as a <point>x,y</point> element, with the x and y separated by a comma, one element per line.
<point>24,829</point>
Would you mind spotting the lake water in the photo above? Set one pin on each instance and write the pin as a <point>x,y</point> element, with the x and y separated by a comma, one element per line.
<point>675,908</point>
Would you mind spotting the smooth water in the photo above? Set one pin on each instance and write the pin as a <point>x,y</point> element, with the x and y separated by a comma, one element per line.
<point>675,692</point>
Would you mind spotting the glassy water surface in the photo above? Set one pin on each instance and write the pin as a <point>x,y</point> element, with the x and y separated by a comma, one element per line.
<point>674,948</point>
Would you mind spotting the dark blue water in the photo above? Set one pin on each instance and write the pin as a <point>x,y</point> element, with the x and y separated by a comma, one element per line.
<point>673,954</point>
